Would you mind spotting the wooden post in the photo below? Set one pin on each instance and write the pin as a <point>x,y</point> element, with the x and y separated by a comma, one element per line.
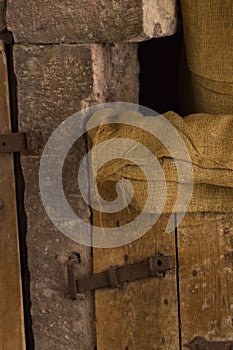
<point>11,312</point>
<point>142,314</point>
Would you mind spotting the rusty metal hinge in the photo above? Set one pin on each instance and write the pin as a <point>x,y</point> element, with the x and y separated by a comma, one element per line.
<point>20,142</point>
<point>114,277</point>
<point>200,343</point>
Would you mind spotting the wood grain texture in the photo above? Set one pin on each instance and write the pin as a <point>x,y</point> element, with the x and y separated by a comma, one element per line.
<point>141,315</point>
<point>11,308</point>
<point>205,243</point>
<point>83,21</point>
<point>2,15</point>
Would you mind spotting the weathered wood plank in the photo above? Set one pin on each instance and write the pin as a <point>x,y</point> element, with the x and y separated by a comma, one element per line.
<point>11,307</point>
<point>84,21</point>
<point>205,243</point>
<point>142,315</point>
<point>2,15</point>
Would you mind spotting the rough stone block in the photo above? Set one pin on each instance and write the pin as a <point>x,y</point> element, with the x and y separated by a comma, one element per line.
<point>58,322</point>
<point>84,21</point>
<point>53,82</point>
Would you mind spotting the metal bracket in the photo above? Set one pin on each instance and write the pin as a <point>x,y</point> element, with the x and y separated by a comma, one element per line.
<point>20,142</point>
<point>15,142</point>
<point>200,343</point>
<point>114,277</point>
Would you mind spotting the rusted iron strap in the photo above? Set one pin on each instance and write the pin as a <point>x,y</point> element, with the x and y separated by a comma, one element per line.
<point>16,142</point>
<point>21,142</point>
<point>200,343</point>
<point>155,266</point>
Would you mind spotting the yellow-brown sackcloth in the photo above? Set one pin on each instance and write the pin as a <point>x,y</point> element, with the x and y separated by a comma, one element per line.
<point>210,150</point>
<point>208,32</point>
<point>208,135</point>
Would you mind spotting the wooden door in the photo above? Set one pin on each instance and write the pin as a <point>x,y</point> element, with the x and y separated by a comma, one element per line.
<point>194,299</point>
<point>11,317</point>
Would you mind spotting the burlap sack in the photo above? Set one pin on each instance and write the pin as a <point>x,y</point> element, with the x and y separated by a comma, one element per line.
<point>209,141</point>
<point>208,31</point>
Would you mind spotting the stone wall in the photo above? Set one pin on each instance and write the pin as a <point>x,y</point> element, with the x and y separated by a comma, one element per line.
<point>53,82</point>
<point>72,21</point>
<point>69,55</point>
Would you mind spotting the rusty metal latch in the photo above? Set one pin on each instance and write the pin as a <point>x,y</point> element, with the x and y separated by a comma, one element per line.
<point>20,142</point>
<point>200,343</point>
<point>114,277</point>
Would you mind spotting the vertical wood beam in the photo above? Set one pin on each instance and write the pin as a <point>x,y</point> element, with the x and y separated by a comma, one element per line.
<point>11,306</point>
<point>205,245</point>
<point>141,315</point>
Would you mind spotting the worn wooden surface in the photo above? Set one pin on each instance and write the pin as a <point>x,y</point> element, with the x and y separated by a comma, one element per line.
<point>142,315</point>
<point>11,308</point>
<point>83,21</point>
<point>2,15</point>
<point>205,243</point>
